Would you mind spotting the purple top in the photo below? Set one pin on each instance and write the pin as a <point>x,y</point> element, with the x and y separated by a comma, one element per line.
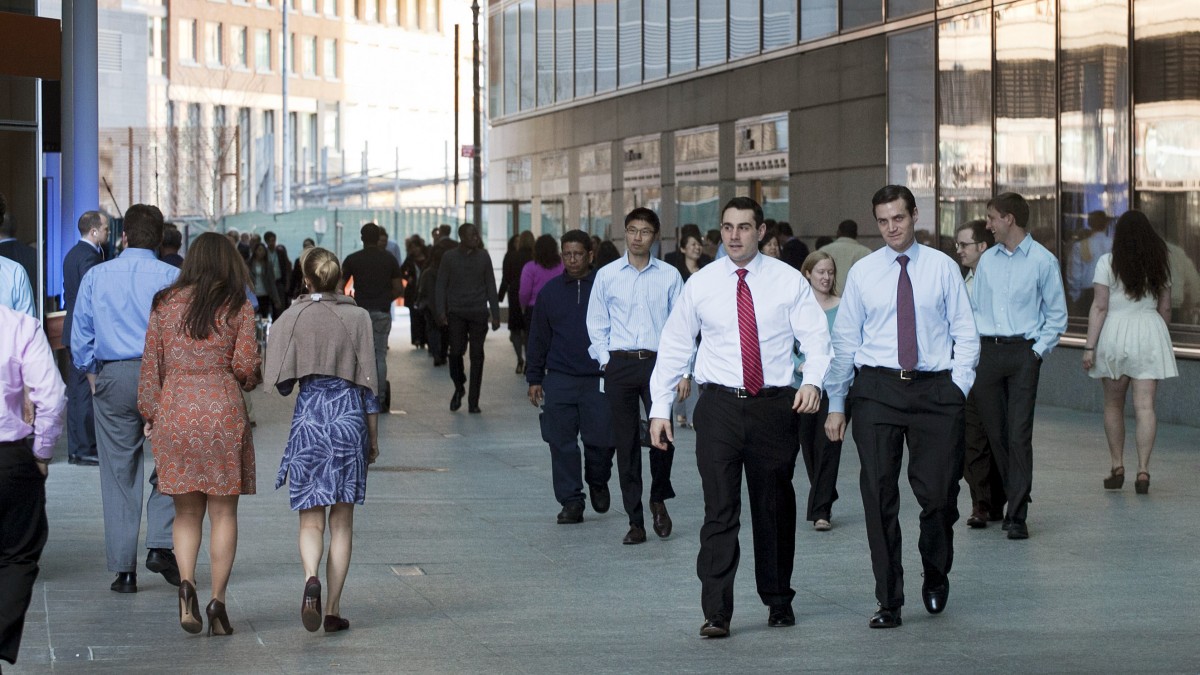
<point>26,361</point>
<point>533,277</point>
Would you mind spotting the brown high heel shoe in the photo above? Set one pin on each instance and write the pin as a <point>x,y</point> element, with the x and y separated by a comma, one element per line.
<point>1142,485</point>
<point>310,605</point>
<point>189,608</point>
<point>1115,480</point>
<point>218,620</point>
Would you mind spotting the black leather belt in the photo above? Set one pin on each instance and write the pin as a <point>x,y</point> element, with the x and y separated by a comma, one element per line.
<point>1005,339</point>
<point>633,355</point>
<point>905,375</point>
<point>741,392</point>
<point>102,362</point>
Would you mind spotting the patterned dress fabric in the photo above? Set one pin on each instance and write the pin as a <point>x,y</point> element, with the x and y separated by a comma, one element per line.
<point>192,392</point>
<point>1134,340</point>
<point>325,461</point>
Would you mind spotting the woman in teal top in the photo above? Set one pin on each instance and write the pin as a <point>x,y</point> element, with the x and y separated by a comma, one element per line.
<point>821,455</point>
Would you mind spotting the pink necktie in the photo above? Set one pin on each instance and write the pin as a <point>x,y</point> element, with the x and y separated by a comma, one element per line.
<point>906,319</point>
<point>752,374</point>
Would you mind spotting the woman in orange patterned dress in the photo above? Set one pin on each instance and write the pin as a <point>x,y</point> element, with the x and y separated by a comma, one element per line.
<point>200,354</point>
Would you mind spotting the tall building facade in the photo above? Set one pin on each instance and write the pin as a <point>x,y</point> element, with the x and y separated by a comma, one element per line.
<point>598,106</point>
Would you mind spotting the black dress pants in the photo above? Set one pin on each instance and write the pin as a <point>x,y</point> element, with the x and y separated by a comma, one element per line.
<point>81,422</point>
<point>627,385</point>
<point>980,472</point>
<point>822,458</point>
<point>467,329</point>
<point>1006,384</point>
<point>23,532</point>
<point>757,436</point>
<point>927,414</point>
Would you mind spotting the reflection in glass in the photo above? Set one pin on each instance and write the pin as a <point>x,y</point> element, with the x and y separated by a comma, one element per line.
<point>595,213</point>
<point>1094,123</point>
<point>585,45</point>
<point>629,27</point>
<point>899,8</point>
<point>911,147</point>
<point>818,18</point>
<point>859,13</point>
<point>545,52</point>
<point>654,37</point>
<point>495,64</point>
<point>1166,98</point>
<point>512,60</point>
<point>683,36</point>
<point>712,32</point>
<point>778,23</point>
<point>1026,97</point>
<point>964,119</point>
<point>564,67</point>
<point>606,45</point>
<point>698,203</point>
<point>528,76</point>
<point>743,28</point>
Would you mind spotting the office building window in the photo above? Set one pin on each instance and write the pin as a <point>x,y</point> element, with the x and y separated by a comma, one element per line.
<point>654,41</point>
<point>818,18</point>
<point>331,58</point>
<point>309,6</point>
<point>912,149</point>
<point>187,41</point>
<point>964,119</point>
<point>859,13</point>
<point>899,8</point>
<point>528,55</point>
<point>512,60</point>
<point>683,36</point>
<point>778,23</point>
<point>585,47</point>
<point>743,28</point>
<point>262,50</point>
<point>545,52</point>
<point>606,45</point>
<point>433,16</point>
<point>496,48</point>
<point>241,52</point>
<point>309,55</point>
<point>564,51</point>
<point>629,42</point>
<point>331,7</point>
<point>214,44</point>
<point>713,20</point>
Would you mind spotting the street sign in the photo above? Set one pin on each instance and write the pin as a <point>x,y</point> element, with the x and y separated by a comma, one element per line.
<point>469,150</point>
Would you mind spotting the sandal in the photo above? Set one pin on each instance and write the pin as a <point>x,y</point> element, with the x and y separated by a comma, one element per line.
<point>1142,485</point>
<point>1116,480</point>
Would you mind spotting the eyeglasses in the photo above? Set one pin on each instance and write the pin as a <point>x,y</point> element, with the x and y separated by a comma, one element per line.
<point>958,245</point>
<point>639,234</point>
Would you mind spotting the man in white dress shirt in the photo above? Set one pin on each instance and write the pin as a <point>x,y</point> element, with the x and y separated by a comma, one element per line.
<point>751,309</point>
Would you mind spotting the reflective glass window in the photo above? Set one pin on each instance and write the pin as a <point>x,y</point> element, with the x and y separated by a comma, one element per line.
<point>654,40</point>
<point>743,28</point>
<point>528,60</point>
<point>545,52</point>
<point>818,18</point>
<point>585,47</point>
<point>1166,99</point>
<point>1094,129</point>
<point>564,46</point>
<point>898,8</point>
<point>942,4</point>
<point>512,60</point>
<point>495,65</point>
<point>629,36</point>
<point>859,13</point>
<point>712,32</point>
<point>912,152</point>
<point>606,45</point>
<point>683,36</point>
<point>964,119</point>
<point>1026,100</point>
<point>778,23</point>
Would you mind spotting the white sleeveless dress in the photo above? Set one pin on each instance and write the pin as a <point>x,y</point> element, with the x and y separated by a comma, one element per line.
<point>1134,340</point>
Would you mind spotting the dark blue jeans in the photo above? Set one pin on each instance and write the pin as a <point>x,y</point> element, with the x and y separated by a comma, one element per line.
<point>574,407</point>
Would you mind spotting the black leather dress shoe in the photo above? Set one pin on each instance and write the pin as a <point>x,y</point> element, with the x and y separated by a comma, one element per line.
<point>935,595</point>
<point>978,518</point>
<point>781,616</point>
<point>1018,530</point>
<point>87,460</point>
<point>456,400</point>
<point>601,499</point>
<point>885,618</point>
<point>662,520</point>
<point>474,409</point>
<point>715,627</point>
<point>162,561</point>
<point>572,512</point>
<point>126,582</point>
<point>1004,526</point>
<point>636,535</point>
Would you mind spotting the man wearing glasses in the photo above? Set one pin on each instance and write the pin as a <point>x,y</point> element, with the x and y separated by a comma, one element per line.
<point>631,299</point>
<point>980,472</point>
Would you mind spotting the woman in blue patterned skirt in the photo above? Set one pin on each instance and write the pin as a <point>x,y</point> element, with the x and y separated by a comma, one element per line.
<point>323,341</point>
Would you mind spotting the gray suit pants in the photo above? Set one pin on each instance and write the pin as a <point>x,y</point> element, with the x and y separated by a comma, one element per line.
<point>120,441</point>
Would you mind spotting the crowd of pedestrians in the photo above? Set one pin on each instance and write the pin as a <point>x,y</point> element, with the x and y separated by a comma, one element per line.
<point>770,352</point>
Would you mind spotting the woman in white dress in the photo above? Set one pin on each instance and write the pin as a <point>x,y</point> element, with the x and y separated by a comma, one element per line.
<point>1127,339</point>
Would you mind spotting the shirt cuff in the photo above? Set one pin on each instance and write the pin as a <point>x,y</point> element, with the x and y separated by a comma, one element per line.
<point>837,404</point>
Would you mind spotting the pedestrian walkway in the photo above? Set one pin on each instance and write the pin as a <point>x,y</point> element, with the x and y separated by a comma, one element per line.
<point>459,566</point>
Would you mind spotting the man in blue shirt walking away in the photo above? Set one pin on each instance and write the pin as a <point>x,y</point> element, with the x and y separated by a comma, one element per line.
<point>565,380</point>
<point>108,336</point>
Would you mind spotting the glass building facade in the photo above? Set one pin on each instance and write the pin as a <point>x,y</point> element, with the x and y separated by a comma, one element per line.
<point>1079,105</point>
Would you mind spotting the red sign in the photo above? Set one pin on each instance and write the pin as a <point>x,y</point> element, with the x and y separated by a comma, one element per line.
<point>468,150</point>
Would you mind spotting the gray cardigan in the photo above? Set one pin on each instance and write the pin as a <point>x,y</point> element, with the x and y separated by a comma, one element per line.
<point>321,334</point>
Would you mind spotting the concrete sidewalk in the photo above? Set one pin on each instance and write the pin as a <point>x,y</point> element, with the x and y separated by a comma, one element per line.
<point>460,567</point>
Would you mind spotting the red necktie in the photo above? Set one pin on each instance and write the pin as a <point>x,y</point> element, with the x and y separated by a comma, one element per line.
<point>906,319</point>
<point>752,374</point>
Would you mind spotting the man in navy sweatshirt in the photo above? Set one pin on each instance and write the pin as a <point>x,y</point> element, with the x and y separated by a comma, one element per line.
<point>565,380</point>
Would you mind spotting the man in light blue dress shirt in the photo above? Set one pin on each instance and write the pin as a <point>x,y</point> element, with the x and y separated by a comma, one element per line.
<point>108,336</point>
<point>1021,312</point>
<point>895,402</point>
<point>630,302</point>
<point>15,291</point>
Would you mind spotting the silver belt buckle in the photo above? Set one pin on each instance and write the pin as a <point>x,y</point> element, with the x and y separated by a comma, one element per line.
<point>906,375</point>
<point>741,393</point>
